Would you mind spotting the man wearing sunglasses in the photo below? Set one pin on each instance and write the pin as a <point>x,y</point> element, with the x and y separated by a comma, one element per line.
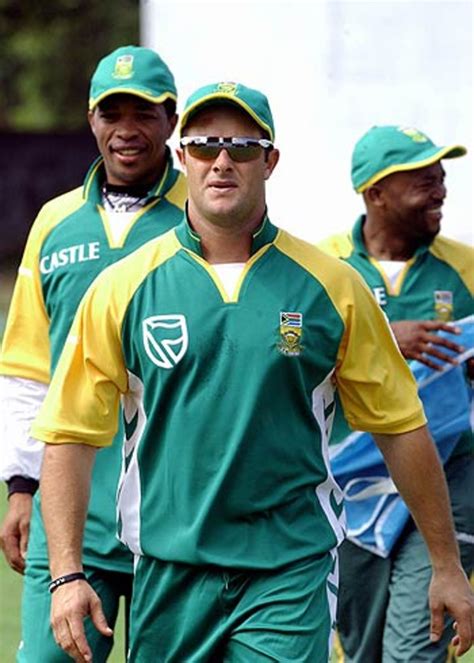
<point>224,339</point>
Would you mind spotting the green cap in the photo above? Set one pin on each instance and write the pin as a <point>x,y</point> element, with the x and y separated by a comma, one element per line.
<point>390,149</point>
<point>132,70</point>
<point>252,102</point>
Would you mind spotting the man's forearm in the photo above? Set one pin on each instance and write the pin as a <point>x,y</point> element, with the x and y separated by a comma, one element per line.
<point>65,484</point>
<point>414,465</point>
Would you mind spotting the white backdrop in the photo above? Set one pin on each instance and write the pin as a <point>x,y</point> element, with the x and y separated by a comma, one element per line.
<point>332,70</point>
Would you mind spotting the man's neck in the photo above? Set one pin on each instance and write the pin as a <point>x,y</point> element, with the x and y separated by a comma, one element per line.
<point>383,242</point>
<point>225,243</point>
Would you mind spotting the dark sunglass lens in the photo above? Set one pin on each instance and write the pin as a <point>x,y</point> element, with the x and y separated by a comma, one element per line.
<point>239,153</point>
<point>207,152</point>
<point>244,152</point>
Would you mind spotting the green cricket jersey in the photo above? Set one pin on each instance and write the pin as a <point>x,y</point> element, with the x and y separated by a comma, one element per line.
<point>228,400</point>
<point>437,283</point>
<point>70,243</point>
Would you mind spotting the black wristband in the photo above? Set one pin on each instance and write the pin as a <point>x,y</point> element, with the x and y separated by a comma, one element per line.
<point>19,484</point>
<point>63,580</point>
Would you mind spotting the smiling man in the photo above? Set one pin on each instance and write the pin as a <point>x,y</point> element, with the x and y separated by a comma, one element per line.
<point>423,282</point>
<point>225,338</point>
<point>131,194</point>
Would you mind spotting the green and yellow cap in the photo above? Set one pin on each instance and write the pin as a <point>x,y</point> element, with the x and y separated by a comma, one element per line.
<point>390,149</point>
<point>132,70</point>
<point>251,101</point>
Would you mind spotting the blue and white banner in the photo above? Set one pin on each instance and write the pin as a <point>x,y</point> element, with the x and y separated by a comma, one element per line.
<point>376,514</point>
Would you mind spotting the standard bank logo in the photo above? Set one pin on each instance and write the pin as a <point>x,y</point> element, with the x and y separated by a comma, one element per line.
<point>165,338</point>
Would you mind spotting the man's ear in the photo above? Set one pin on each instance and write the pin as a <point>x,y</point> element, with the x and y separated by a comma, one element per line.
<point>182,158</point>
<point>172,121</point>
<point>272,160</point>
<point>374,195</point>
<point>90,119</point>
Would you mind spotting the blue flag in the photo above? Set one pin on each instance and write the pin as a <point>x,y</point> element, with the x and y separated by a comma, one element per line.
<point>375,513</point>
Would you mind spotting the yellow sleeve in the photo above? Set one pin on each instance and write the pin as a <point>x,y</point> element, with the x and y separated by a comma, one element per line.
<point>25,348</point>
<point>338,246</point>
<point>376,387</point>
<point>83,401</point>
<point>459,256</point>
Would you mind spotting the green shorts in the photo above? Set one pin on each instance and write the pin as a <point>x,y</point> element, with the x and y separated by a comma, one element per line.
<point>38,644</point>
<point>208,615</point>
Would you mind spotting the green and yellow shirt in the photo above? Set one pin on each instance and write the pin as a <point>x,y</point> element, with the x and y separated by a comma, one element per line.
<point>437,283</point>
<point>228,401</point>
<point>70,243</point>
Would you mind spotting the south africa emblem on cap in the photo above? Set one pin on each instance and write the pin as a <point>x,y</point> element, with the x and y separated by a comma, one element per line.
<point>227,88</point>
<point>123,67</point>
<point>414,134</point>
<point>291,332</point>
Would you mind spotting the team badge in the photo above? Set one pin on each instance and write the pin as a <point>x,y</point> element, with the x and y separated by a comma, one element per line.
<point>443,303</point>
<point>291,332</point>
<point>227,88</point>
<point>165,338</point>
<point>123,67</point>
<point>414,134</point>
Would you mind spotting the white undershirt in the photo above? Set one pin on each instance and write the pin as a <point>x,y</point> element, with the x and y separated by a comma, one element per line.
<point>20,401</point>
<point>118,222</point>
<point>229,273</point>
<point>392,269</point>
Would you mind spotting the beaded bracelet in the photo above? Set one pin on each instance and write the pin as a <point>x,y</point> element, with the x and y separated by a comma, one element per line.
<point>62,580</point>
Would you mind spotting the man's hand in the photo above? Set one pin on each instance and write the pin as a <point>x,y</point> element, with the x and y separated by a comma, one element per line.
<point>451,592</point>
<point>15,530</point>
<point>417,340</point>
<point>70,605</point>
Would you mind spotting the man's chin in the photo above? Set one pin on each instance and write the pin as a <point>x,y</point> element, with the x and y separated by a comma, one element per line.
<point>222,209</point>
<point>131,177</point>
<point>431,233</point>
<point>435,229</point>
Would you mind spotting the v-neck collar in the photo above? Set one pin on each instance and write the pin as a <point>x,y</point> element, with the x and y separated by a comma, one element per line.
<point>189,238</point>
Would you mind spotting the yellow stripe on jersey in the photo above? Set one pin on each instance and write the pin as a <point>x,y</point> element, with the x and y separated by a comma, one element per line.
<point>178,193</point>
<point>340,246</point>
<point>212,273</point>
<point>386,281</point>
<point>28,318</point>
<point>397,286</point>
<point>392,289</point>
<point>459,256</point>
<point>369,362</point>
<point>248,265</point>
<point>82,406</point>
<point>175,196</point>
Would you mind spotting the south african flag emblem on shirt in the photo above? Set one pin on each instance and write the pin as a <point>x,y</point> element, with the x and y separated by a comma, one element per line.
<point>291,332</point>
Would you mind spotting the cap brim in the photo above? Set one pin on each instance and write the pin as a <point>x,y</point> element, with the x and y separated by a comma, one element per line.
<point>199,104</point>
<point>133,91</point>
<point>450,152</point>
